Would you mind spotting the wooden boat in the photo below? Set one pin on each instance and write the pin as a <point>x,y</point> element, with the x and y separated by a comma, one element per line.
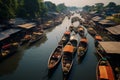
<point>65,38</point>
<point>55,57</point>
<point>91,31</point>
<point>74,41</point>
<point>71,27</point>
<point>100,51</point>
<point>81,31</point>
<point>67,59</point>
<point>97,39</point>
<point>104,70</point>
<point>35,37</point>
<point>9,49</point>
<point>25,39</point>
<point>82,47</point>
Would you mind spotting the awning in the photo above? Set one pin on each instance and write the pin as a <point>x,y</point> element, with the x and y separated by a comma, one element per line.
<point>114,30</point>
<point>68,48</point>
<point>111,47</point>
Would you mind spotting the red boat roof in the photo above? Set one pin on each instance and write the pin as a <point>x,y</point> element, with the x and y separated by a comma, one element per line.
<point>6,46</point>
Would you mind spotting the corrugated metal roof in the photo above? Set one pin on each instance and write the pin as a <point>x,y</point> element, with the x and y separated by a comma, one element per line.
<point>27,25</point>
<point>3,36</point>
<point>106,22</point>
<point>10,31</point>
<point>114,30</point>
<point>111,47</point>
<point>7,33</point>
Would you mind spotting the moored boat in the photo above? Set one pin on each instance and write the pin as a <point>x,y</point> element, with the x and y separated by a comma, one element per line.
<point>65,38</point>
<point>81,31</point>
<point>25,39</point>
<point>74,41</point>
<point>71,27</point>
<point>67,59</point>
<point>104,70</point>
<point>97,39</point>
<point>91,31</point>
<point>55,57</point>
<point>82,47</point>
<point>9,49</point>
<point>36,36</point>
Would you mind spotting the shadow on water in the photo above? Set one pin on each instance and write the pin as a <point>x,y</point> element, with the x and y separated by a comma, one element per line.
<point>9,65</point>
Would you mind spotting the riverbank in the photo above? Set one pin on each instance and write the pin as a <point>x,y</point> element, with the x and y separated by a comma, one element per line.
<point>24,32</point>
<point>109,33</point>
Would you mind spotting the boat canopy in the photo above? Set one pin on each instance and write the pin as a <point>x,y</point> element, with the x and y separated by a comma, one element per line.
<point>98,37</point>
<point>6,46</point>
<point>103,72</point>
<point>68,48</point>
<point>84,40</point>
<point>90,29</point>
<point>81,29</point>
<point>67,32</point>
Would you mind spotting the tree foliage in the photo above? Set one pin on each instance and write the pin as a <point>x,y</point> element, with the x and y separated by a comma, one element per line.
<point>61,7</point>
<point>21,8</point>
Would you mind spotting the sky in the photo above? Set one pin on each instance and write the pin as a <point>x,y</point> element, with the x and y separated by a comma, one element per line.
<point>81,3</point>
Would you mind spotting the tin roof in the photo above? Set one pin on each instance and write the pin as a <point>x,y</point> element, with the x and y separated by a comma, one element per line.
<point>114,30</point>
<point>27,25</point>
<point>111,47</point>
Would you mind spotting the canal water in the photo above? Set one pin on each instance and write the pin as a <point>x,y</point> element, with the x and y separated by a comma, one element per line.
<point>30,62</point>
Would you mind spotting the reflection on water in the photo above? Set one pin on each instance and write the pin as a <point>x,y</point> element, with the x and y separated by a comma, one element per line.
<point>9,65</point>
<point>38,43</point>
<point>30,63</point>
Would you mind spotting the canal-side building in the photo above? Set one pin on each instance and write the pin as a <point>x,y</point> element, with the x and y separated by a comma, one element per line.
<point>116,15</point>
<point>114,32</point>
<point>9,35</point>
<point>112,51</point>
<point>27,28</point>
<point>102,24</point>
<point>110,47</point>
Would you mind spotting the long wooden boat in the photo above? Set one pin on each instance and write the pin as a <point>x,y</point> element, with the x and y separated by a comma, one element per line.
<point>104,70</point>
<point>82,48</point>
<point>81,31</point>
<point>25,39</point>
<point>55,57</point>
<point>9,49</point>
<point>67,59</point>
<point>35,37</point>
<point>100,51</point>
<point>71,27</point>
<point>74,41</point>
<point>91,31</point>
<point>65,38</point>
<point>97,39</point>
